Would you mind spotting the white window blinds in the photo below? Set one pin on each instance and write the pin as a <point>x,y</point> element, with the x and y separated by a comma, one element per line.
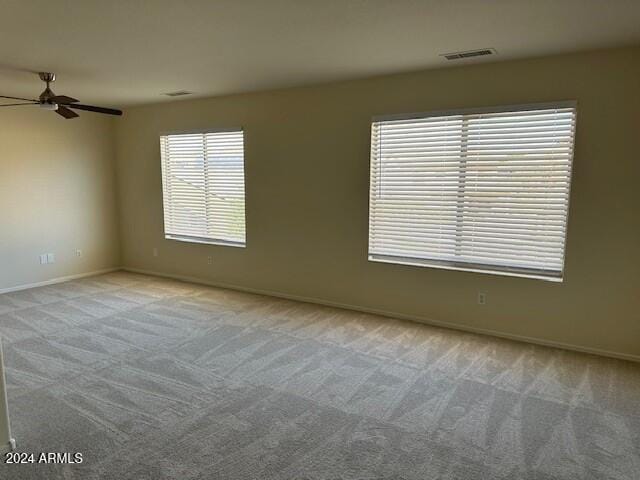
<point>484,189</point>
<point>203,187</point>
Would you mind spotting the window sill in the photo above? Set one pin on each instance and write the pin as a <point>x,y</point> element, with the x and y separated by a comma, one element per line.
<point>462,268</point>
<point>206,241</point>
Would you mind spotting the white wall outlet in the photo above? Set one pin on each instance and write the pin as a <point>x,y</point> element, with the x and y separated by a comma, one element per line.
<point>155,251</point>
<point>209,260</point>
<point>43,259</point>
<point>482,298</point>
<point>51,258</point>
<point>78,252</point>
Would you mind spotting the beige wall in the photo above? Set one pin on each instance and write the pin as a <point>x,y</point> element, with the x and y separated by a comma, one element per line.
<point>307,157</point>
<point>57,194</point>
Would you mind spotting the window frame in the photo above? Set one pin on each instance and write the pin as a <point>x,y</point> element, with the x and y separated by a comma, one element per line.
<point>198,239</point>
<point>505,270</point>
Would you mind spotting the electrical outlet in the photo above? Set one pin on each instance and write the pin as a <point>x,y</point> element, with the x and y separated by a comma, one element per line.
<point>155,251</point>
<point>51,258</point>
<point>482,298</point>
<point>209,260</point>
<point>43,259</point>
<point>78,253</point>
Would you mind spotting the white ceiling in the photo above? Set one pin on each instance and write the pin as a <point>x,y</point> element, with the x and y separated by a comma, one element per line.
<point>125,52</point>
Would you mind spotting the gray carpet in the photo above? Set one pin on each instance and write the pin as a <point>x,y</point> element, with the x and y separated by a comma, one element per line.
<point>157,379</point>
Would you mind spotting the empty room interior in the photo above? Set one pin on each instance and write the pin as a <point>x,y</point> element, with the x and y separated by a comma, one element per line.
<point>320,240</point>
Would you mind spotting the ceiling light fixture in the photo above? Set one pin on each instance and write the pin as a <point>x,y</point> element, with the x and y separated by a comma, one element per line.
<point>49,106</point>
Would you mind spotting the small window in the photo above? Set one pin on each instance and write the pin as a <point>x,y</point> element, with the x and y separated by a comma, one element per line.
<point>481,190</point>
<point>203,187</point>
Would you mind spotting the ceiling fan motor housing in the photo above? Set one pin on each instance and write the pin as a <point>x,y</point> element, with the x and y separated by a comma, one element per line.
<point>48,93</point>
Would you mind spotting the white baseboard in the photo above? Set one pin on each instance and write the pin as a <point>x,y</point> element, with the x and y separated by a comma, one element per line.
<point>10,446</point>
<point>58,280</point>
<point>427,321</point>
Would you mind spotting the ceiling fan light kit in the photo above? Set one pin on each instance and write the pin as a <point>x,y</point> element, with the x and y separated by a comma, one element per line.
<point>49,106</point>
<point>61,104</point>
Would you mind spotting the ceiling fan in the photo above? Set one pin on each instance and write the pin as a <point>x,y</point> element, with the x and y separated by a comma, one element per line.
<point>61,104</point>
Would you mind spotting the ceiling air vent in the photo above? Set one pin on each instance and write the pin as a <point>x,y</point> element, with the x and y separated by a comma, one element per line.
<point>179,93</point>
<point>469,54</point>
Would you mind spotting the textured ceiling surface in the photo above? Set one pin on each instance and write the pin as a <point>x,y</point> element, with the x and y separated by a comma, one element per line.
<point>123,52</point>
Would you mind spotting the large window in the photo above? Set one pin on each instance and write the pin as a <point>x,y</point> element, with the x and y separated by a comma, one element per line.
<point>480,190</point>
<point>203,187</point>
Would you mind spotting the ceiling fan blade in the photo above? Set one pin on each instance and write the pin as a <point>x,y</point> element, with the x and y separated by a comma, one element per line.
<point>19,98</point>
<point>66,113</point>
<point>16,104</point>
<point>62,100</point>
<point>91,108</point>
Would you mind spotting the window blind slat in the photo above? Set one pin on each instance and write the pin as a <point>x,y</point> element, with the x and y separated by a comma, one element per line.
<point>203,186</point>
<point>483,188</point>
